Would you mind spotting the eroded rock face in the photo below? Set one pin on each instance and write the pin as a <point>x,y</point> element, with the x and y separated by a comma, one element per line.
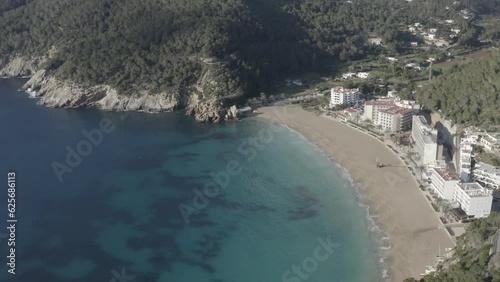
<point>207,111</point>
<point>58,93</point>
<point>18,66</point>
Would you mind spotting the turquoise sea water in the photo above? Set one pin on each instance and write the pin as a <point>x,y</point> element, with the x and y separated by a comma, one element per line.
<point>162,198</point>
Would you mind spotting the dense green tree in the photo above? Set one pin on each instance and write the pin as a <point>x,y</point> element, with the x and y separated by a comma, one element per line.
<point>243,46</point>
<point>467,94</point>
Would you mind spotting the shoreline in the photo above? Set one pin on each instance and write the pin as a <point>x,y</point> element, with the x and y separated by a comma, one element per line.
<point>391,194</point>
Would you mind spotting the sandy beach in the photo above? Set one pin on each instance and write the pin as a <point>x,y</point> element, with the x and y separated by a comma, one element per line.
<point>392,194</point>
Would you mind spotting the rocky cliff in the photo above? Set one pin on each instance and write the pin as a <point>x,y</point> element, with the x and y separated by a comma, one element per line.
<point>15,66</point>
<point>58,93</point>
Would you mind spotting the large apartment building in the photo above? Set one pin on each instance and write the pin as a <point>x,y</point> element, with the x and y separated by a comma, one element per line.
<point>372,108</point>
<point>341,96</point>
<point>443,182</point>
<point>473,199</point>
<point>425,139</point>
<point>487,175</point>
<point>395,118</point>
<point>465,160</point>
<point>491,141</point>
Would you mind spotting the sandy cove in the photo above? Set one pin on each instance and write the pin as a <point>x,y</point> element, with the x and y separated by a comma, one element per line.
<point>392,194</point>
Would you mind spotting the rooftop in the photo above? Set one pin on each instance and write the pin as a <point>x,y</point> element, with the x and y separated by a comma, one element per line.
<point>487,168</point>
<point>447,175</point>
<point>397,110</point>
<point>379,103</point>
<point>342,90</point>
<point>495,135</point>
<point>429,135</point>
<point>474,189</point>
<point>489,139</point>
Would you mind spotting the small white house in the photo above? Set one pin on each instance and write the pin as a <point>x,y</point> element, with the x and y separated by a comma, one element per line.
<point>414,44</point>
<point>375,41</point>
<point>362,75</point>
<point>413,66</point>
<point>243,111</point>
<point>392,93</point>
<point>348,75</point>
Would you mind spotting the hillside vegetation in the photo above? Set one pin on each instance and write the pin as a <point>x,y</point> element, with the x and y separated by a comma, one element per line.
<point>243,45</point>
<point>471,260</point>
<point>468,94</point>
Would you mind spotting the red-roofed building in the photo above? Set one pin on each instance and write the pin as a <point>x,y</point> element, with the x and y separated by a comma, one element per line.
<point>342,116</point>
<point>373,107</point>
<point>395,118</point>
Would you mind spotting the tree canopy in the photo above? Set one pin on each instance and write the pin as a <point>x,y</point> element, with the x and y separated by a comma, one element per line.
<point>468,94</point>
<point>243,45</point>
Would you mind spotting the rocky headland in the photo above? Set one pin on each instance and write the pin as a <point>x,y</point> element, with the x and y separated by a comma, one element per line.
<point>54,92</point>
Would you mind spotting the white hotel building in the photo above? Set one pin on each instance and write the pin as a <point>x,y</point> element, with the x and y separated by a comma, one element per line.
<point>341,96</point>
<point>443,182</point>
<point>394,119</point>
<point>465,160</point>
<point>473,199</point>
<point>372,108</point>
<point>487,175</point>
<point>425,139</point>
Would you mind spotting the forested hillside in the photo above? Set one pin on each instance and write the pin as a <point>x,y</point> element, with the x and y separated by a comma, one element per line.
<point>467,94</point>
<point>219,48</point>
<point>471,260</point>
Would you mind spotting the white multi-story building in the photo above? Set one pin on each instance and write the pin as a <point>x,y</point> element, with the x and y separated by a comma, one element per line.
<point>487,175</point>
<point>373,107</point>
<point>473,199</point>
<point>394,119</point>
<point>425,139</point>
<point>407,104</point>
<point>491,141</point>
<point>341,96</point>
<point>465,160</point>
<point>443,182</point>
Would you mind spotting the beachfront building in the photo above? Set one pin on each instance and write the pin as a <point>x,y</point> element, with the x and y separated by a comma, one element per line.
<point>373,107</point>
<point>473,199</point>
<point>425,139</point>
<point>348,114</point>
<point>243,111</point>
<point>352,114</point>
<point>465,159</point>
<point>341,96</point>
<point>394,119</point>
<point>487,175</point>
<point>443,182</point>
<point>491,141</point>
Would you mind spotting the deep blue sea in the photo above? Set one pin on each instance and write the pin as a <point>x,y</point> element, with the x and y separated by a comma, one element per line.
<point>139,197</point>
